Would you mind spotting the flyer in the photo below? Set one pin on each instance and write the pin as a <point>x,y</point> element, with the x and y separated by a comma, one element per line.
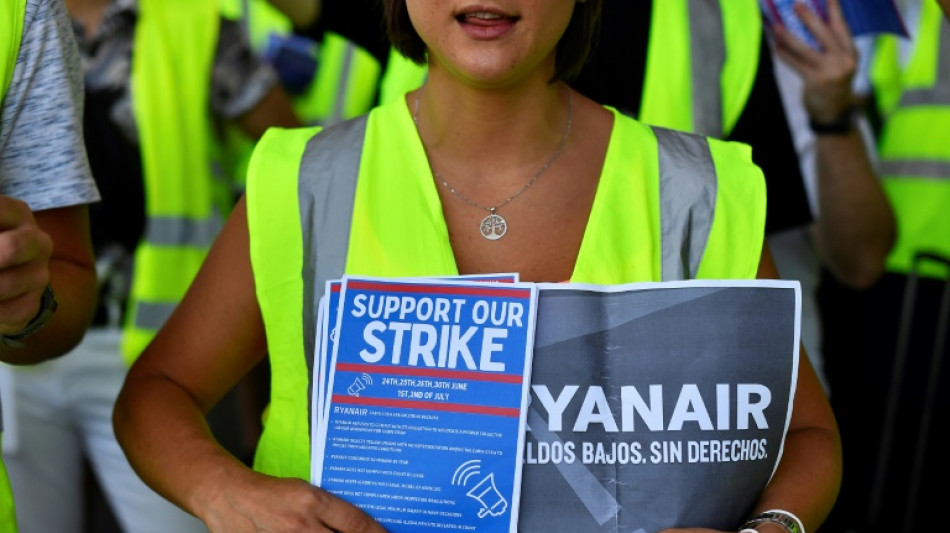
<point>863,16</point>
<point>425,369</point>
<point>657,405</point>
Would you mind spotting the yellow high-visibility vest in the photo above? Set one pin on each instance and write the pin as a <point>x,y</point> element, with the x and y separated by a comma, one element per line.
<point>172,60</point>
<point>914,145</point>
<point>323,203</point>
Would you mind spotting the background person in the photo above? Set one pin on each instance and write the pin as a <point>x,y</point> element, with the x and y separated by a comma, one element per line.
<point>854,227</point>
<point>892,392</point>
<point>160,78</point>
<point>46,263</point>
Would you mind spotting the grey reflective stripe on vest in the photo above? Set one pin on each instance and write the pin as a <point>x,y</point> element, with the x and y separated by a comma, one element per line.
<point>912,168</point>
<point>707,57</point>
<point>181,231</point>
<point>173,232</point>
<point>688,188</point>
<point>343,85</point>
<point>326,191</point>
<point>939,94</point>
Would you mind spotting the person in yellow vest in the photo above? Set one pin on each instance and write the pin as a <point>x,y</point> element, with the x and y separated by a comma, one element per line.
<point>160,76</point>
<point>47,268</point>
<point>894,389</point>
<point>328,77</point>
<point>583,184</point>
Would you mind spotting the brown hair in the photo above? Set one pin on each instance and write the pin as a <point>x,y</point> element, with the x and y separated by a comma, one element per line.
<point>572,50</point>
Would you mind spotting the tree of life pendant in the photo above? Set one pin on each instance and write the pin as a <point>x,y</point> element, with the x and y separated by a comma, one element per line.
<point>493,226</point>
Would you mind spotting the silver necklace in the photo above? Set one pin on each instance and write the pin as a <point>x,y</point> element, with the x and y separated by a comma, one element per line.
<point>494,226</point>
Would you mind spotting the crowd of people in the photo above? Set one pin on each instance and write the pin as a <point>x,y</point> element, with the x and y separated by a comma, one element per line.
<point>176,175</point>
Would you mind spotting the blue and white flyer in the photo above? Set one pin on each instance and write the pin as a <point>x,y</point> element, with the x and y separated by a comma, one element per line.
<point>424,421</point>
<point>657,405</point>
<point>863,17</point>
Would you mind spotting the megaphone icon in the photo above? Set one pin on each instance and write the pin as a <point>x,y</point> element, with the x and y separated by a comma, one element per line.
<point>487,495</point>
<point>356,387</point>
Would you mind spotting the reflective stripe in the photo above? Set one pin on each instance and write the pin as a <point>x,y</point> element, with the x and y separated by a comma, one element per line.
<point>687,179</point>
<point>178,231</point>
<point>152,315</point>
<point>707,57</point>
<point>939,94</point>
<point>326,190</point>
<point>915,168</point>
<point>343,85</point>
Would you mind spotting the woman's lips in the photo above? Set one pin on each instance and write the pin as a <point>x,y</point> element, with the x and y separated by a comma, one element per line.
<point>484,25</point>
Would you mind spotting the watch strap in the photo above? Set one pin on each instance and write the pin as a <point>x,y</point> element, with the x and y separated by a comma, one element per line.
<point>842,125</point>
<point>48,305</point>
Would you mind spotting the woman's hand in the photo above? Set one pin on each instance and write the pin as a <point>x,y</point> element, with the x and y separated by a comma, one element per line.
<point>264,503</point>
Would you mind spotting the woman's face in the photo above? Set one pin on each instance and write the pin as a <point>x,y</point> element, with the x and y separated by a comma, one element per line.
<point>491,42</point>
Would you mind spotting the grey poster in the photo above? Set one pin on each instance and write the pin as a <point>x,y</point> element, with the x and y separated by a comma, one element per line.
<point>656,408</point>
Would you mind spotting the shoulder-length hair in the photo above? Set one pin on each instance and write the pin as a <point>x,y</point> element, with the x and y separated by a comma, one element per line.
<point>572,50</point>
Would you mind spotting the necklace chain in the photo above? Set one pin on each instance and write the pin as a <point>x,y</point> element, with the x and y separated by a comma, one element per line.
<point>494,226</point>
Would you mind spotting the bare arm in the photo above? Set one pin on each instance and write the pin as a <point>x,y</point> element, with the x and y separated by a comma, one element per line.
<point>50,246</point>
<point>809,475</point>
<point>191,364</point>
<point>856,229</point>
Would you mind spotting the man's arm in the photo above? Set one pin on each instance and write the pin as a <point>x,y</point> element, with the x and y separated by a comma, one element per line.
<point>855,228</point>
<point>50,246</point>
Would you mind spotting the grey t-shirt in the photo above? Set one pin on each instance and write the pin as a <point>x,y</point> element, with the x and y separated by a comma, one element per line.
<point>42,159</point>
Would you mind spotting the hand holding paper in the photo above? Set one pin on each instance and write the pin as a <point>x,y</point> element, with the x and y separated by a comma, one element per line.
<point>827,69</point>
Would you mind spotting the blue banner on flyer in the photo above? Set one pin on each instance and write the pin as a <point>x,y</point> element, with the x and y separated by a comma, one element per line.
<point>425,369</point>
<point>327,332</point>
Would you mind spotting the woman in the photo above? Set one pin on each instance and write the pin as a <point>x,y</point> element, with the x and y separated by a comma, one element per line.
<point>509,170</point>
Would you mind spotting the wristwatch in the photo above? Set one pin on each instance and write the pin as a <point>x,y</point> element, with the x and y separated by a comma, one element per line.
<point>771,517</point>
<point>48,305</point>
<point>842,125</point>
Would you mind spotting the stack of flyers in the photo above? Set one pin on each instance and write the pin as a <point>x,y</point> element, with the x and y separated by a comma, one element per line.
<point>863,17</point>
<point>413,369</point>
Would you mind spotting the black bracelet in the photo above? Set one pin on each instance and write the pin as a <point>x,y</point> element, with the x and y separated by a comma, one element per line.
<point>842,125</point>
<point>48,305</point>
